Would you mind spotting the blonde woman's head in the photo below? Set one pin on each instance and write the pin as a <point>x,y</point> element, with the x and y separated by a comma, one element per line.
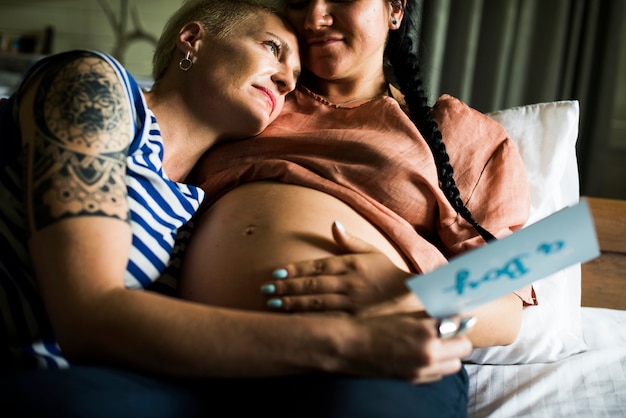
<point>218,18</point>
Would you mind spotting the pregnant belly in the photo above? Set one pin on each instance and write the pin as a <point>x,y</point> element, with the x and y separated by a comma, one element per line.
<point>259,227</point>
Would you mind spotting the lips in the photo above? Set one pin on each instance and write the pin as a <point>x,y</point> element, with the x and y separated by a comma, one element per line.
<point>271,98</point>
<point>323,41</point>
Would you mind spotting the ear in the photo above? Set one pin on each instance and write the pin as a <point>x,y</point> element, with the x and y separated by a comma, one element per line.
<point>189,38</point>
<point>396,15</point>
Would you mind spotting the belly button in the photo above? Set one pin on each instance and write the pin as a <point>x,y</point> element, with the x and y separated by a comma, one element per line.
<point>249,230</point>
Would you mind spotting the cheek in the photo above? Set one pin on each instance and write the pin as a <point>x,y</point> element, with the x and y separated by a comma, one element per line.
<point>223,79</point>
<point>227,65</point>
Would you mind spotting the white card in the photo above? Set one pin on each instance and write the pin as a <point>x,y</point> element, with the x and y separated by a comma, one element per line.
<point>487,273</point>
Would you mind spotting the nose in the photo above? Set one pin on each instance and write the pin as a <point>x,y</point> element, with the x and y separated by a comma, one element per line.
<point>317,15</point>
<point>285,79</point>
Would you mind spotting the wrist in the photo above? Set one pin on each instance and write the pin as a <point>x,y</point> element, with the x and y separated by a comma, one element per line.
<point>336,338</point>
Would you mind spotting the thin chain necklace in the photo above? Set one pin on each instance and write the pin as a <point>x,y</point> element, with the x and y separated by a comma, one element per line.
<point>347,102</point>
<point>342,104</point>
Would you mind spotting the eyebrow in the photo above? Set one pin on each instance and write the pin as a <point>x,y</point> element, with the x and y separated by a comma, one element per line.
<point>287,48</point>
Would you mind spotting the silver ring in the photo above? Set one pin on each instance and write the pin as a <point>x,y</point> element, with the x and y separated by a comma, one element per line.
<point>447,328</point>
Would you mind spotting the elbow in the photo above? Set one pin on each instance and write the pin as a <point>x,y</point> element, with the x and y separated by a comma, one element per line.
<point>75,344</point>
<point>501,335</point>
<point>83,337</point>
<point>499,323</point>
<point>509,335</point>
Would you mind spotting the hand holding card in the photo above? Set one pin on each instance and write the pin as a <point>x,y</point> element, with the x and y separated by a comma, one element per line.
<point>490,272</point>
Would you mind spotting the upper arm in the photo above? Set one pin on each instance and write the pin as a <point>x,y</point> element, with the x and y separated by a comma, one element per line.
<point>497,195</point>
<point>75,124</point>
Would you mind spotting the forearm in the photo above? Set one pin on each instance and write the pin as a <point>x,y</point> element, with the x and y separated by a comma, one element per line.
<point>498,322</point>
<point>155,333</point>
<point>184,339</point>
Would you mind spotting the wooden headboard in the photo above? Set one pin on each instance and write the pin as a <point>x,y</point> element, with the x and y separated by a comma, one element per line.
<point>604,278</point>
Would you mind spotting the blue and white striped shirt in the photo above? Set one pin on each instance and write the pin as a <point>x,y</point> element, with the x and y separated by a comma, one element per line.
<point>158,207</point>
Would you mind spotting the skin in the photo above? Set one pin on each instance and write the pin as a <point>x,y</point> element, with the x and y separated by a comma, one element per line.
<point>342,43</point>
<point>234,92</point>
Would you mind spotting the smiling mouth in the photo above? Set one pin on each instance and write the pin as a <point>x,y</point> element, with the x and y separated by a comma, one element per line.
<point>271,99</point>
<point>323,42</point>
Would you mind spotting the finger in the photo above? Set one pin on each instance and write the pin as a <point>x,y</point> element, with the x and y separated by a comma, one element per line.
<point>426,379</point>
<point>328,266</point>
<point>311,285</point>
<point>437,349</point>
<point>315,303</point>
<point>437,371</point>
<point>461,346</point>
<point>454,348</point>
<point>348,242</point>
<point>443,357</point>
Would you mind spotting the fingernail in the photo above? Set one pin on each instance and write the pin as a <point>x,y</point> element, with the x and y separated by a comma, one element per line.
<point>466,324</point>
<point>280,274</point>
<point>274,303</point>
<point>268,289</point>
<point>340,226</point>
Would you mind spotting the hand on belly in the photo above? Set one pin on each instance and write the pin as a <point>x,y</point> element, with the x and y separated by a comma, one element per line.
<point>261,226</point>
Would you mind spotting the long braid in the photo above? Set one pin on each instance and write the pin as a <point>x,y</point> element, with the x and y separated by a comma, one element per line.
<point>401,54</point>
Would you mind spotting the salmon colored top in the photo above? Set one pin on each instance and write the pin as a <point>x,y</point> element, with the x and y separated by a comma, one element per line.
<point>373,158</point>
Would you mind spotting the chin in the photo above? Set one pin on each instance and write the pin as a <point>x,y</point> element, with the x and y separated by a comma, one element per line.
<point>326,68</point>
<point>250,124</point>
<point>252,129</point>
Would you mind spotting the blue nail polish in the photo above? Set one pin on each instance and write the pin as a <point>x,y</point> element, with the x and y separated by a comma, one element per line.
<point>275,303</point>
<point>280,274</point>
<point>268,289</point>
<point>340,226</point>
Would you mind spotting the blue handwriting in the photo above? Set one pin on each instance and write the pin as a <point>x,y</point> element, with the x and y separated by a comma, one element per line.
<point>513,269</point>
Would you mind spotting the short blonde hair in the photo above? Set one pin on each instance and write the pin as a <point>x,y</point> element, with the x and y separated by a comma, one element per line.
<point>218,17</point>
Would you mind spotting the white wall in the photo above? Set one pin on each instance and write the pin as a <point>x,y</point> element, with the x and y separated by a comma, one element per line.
<point>83,24</point>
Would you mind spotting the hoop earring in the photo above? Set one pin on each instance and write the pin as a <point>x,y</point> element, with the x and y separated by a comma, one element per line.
<point>185,64</point>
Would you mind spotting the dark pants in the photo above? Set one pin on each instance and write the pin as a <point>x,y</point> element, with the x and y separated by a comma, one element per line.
<point>94,392</point>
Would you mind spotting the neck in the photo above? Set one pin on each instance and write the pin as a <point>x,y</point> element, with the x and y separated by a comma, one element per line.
<point>342,92</point>
<point>184,140</point>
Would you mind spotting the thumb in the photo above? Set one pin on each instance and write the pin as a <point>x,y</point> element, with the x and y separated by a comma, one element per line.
<point>348,242</point>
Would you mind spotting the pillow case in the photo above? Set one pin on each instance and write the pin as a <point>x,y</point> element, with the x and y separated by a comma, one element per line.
<point>546,135</point>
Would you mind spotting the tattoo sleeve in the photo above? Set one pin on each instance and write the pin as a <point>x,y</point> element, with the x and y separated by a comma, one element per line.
<point>82,131</point>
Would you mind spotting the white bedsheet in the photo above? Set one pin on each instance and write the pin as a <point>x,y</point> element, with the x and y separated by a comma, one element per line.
<point>587,385</point>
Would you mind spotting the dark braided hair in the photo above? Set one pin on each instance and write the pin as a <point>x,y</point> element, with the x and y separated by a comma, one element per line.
<point>401,54</point>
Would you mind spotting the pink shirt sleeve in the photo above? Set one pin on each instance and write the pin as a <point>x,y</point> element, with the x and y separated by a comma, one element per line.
<point>490,174</point>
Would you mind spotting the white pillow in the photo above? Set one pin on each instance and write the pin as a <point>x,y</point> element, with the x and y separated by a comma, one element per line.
<point>546,135</point>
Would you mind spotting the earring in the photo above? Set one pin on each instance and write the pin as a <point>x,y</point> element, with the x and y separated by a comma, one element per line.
<point>394,22</point>
<point>185,63</point>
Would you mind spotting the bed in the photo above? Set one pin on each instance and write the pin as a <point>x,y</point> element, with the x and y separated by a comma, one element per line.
<point>570,357</point>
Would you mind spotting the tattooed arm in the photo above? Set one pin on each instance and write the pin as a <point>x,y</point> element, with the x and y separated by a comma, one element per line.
<point>75,125</point>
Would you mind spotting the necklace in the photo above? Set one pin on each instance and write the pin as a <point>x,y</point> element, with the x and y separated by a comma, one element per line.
<point>342,104</point>
<point>347,102</point>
